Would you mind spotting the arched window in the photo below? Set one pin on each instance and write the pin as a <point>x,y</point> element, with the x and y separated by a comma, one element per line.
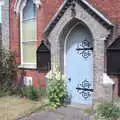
<point>113,58</point>
<point>43,58</point>
<point>28,35</point>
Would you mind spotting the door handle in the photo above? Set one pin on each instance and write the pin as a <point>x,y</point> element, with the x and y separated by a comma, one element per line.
<point>69,79</point>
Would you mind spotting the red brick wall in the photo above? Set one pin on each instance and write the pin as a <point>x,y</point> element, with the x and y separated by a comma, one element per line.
<point>110,8</point>
<point>44,14</point>
<point>14,32</point>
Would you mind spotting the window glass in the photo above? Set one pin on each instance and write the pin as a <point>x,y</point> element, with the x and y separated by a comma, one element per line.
<point>29,53</point>
<point>29,10</point>
<point>29,33</point>
<point>29,30</point>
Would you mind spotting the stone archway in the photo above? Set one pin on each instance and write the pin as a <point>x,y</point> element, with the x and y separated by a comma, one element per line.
<point>99,33</point>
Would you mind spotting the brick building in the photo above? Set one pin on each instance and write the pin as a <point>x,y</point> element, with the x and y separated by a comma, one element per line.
<point>81,35</point>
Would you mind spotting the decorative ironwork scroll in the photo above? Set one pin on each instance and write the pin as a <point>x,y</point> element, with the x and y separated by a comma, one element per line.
<point>84,89</point>
<point>84,49</point>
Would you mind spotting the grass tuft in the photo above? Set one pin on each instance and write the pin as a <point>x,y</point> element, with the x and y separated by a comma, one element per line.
<point>13,107</point>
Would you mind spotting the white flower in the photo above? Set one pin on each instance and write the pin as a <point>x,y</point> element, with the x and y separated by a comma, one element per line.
<point>58,75</point>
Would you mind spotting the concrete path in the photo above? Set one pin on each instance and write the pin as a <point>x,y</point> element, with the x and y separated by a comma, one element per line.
<point>63,113</point>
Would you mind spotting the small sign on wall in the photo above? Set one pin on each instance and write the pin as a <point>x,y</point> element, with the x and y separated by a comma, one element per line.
<point>28,81</point>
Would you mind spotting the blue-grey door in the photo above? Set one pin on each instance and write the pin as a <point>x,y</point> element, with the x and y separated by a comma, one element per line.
<point>79,65</point>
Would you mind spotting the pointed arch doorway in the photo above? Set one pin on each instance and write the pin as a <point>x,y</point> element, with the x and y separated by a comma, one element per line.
<point>78,66</point>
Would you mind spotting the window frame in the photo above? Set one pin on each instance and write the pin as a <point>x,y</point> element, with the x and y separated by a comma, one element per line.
<point>26,64</point>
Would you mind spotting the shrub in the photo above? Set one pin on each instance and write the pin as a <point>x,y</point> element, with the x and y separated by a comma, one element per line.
<point>31,92</point>
<point>2,93</point>
<point>17,90</point>
<point>108,111</point>
<point>7,70</point>
<point>89,111</point>
<point>42,91</point>
<point>56,89</point>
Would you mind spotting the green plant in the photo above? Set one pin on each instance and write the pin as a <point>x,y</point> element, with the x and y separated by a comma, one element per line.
<point>2,93</point>
<point>56,89</point>
<point>42,91</point>
<point>108,111</point>
<point>89,111</point>
<point>31,92</point>
<point>17,90</point>
<point>7,70</point>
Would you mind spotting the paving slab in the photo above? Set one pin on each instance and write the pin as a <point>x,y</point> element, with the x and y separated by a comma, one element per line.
<point>63,113</point>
